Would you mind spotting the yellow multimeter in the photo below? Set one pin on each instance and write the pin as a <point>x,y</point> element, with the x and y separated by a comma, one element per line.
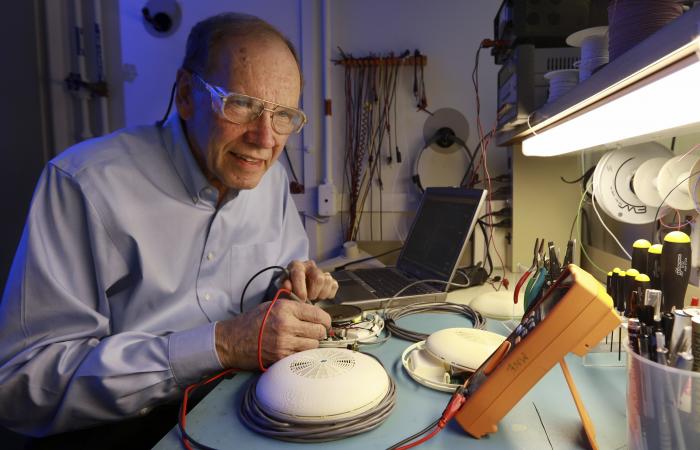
<point>573,315</point>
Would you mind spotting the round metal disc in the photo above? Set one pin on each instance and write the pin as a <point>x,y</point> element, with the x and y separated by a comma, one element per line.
<point>672,173</point>
<point>645,181</point>
<point>613,189</point>
<point>446,118</point>
<point>343,314</point>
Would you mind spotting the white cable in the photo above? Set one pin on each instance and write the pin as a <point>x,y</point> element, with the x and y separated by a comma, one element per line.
<point>622,247</point>
<point>100,63</point>
<point>561,82</point>
<point>80,58</point>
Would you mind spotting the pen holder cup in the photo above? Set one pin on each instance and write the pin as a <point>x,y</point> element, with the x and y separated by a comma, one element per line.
<point>663,405</point>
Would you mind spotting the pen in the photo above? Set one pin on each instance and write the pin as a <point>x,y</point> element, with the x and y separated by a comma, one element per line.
<point>661,350</point>
<point>644,345</point>
<point>684,361</point>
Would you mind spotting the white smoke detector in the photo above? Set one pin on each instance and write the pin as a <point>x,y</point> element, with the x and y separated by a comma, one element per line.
<point>322,384</point>
<point>465,348</point>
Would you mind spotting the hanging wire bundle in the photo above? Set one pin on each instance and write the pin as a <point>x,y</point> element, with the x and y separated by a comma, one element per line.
<point>370,95</point>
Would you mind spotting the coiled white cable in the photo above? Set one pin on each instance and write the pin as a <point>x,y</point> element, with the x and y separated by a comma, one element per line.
<point>632,21</point>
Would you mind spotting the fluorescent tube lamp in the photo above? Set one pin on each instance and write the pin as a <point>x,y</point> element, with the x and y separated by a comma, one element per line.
<point>659,100</point>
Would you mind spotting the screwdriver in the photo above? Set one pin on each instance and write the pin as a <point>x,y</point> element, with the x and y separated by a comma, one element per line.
<point>640,249</point>
<point>628,285</point>
<point>675,269</point>
<point>654,265</point>
<point>620,290</point>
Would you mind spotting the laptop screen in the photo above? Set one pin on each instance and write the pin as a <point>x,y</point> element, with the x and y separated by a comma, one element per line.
<point>439,232</point>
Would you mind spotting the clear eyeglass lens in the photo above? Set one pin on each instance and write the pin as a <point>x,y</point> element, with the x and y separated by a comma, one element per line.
<point>242,109</point>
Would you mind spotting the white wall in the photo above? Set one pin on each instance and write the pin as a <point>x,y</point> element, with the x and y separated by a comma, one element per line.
<point>447,31</point>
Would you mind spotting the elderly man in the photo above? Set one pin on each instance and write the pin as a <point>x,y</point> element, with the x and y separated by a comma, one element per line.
<point>127,284</point>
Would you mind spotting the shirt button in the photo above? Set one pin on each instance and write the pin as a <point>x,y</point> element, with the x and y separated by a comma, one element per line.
<point>194,198</point>
<point>207,296</point>
<point>210,256</point>
<point>144,411</point>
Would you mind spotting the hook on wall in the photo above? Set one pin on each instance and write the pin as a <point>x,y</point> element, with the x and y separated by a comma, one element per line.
<point>161,17</point>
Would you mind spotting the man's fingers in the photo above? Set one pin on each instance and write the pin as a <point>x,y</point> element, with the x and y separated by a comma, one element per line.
<point>286,347</point>
<point>310,313</point>
<point>329,289</point>
<point>316,280</point>
<point>297,275</point>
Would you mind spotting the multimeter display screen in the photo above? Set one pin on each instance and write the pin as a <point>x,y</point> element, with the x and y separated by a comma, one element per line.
<point>532,317</point>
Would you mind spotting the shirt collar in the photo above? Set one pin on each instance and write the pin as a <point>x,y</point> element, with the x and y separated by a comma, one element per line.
<point>178,148</point>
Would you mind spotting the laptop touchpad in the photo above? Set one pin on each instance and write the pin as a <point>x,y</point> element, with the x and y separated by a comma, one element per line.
<point>349,290</point>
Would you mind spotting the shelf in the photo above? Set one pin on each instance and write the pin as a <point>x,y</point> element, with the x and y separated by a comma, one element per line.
<point>665,41</point>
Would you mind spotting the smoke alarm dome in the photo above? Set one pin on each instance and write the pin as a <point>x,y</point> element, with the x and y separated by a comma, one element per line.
<point>322,384</point>
<point>466,348</point>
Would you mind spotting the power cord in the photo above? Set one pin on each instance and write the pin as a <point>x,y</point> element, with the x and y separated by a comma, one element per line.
<point>342,267</point>
<point>245,288</point>
<point>187,440</point>
<point>456,402</point>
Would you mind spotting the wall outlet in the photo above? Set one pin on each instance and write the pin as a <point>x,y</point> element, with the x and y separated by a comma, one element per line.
<point>326,200</point>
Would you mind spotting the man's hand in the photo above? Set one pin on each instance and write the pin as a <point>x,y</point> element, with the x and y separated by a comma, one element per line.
<point>291,327</point>
<point>309,282</point>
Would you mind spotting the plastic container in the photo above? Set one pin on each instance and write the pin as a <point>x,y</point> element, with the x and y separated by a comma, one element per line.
<point>663,406</point>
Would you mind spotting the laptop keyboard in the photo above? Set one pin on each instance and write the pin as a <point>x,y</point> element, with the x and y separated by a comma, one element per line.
<point>386,283</point>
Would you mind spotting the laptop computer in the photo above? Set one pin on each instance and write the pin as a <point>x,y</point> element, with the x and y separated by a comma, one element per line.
<point>435,244</point>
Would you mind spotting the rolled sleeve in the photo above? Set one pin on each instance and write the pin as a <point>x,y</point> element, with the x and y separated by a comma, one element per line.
<point>192,354</point>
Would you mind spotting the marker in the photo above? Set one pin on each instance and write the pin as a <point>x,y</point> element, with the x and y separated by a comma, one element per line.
<point>640,249</point>
<point>667,320</point>
<point>684,361</point>
<point>654,265</point>
<point>639,286</point>
<point>675,269</point>
<point>652,297</point>
<point>695,325</point>
<point>633,334</point>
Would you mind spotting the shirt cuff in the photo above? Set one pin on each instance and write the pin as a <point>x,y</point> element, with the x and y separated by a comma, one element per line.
<point>192,354</point>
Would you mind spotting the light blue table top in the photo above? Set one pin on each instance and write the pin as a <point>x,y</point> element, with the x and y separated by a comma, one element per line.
<point>215,423</point>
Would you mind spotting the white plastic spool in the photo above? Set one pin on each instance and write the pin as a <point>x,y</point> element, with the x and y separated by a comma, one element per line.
<point>677,170</point>
<point>646,181</point>
<point>594,49</point>
<point>561,82</point>
<point>612,182</point>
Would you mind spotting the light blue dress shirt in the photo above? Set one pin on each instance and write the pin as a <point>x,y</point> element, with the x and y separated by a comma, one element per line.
<point>124,266</point>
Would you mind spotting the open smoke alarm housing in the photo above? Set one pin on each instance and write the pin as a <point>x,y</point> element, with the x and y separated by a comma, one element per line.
<point>447,355</point>
<point>465,348</point>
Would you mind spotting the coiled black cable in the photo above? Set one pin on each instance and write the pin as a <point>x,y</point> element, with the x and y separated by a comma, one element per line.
<point>391,316</point>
